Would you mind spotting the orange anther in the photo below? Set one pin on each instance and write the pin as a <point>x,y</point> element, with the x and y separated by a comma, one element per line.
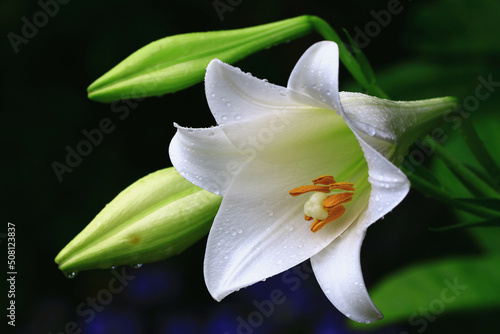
<point>324,179</point>
<point>342,186</point>
<point>306,217</point>
<point>337,199</point>
<point>333,214</point>
<point>305,189</point>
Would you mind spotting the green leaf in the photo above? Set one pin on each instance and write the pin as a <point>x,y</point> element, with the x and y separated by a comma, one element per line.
<point>492,204</point>
<point>474,183</point>
<point>483,156</point>
<point>177,62</point>
<point>484,223</point>
<point>361,58</point>
<point>428,175</point>
<point>423,292</point>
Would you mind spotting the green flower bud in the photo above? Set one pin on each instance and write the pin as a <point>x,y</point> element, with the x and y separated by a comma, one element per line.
<point>177,62</point>
<point>159,215</point>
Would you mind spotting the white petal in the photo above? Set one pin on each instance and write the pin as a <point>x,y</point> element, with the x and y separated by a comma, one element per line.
<point>260,230</point>
<point>389,185</point>
<point>258,236</point>
<point>316,75</point>
<point>338,271</point>
<point>205,157</point>
<point>337,267</point>
<point>237,97</point>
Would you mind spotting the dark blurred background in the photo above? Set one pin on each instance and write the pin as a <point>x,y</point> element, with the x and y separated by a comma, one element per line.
<point>429,49</point>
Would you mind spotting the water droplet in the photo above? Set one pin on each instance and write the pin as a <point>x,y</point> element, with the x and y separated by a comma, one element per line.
<point>137,266</point>
<point>370,130</point>
<point>270,213</point>
<point>112,267</point>
<point>70,275</point>
<point>283,92</point>
<point>265,80</point>
<point>279,262</point>
<point>213,95</point>
<point>223,117</point>
<point>328,92</point>
<point>237,117</point>
<point>289,227</point>
<point>327,291</point>
<point>228,104</point>
<point>233,232</point>
<point>239,231</point>
<point>211,134</point>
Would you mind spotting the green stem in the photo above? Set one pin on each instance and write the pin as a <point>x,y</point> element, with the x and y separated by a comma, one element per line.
<point>476,145</point>
<point>474,183</point>
<point>437,193</point>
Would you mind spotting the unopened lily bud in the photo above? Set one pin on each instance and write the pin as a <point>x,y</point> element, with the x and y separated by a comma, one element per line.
<point>177,62</point>
<point>159,215</point>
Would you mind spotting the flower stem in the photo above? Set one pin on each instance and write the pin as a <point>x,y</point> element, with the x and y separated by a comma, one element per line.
<point>474,183</point>
<point>441,195</point>
<point>476,145</point>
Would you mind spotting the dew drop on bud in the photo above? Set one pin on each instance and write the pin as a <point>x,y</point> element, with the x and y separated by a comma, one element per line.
<point>70,275</point>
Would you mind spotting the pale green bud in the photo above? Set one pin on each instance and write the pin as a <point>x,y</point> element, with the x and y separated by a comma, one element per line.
<point>159,215</point>
<point>177,62</point>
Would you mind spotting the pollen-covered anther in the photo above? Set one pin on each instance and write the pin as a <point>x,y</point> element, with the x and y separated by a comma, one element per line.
<point>324,179</point>
<point>333,214</point>
<point>324,208</point>
<point>337,199</point>
<point>342,186</point>
<point>306,189</point>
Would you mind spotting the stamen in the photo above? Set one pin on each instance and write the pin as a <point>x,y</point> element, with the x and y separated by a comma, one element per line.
<point>333,214</point>
<point>322,206</point>
<point>342,186</point>
<point>337,199</point>
<point>305,189</point>
<point>324,179</point>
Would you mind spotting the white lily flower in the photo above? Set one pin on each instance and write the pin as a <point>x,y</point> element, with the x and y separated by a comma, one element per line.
<point>269,143</point>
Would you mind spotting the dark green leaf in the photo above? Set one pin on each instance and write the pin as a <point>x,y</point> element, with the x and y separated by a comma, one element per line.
<point>438,288</point>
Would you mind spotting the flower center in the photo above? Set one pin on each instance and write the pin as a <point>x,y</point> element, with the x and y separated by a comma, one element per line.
<point>325,204</point>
